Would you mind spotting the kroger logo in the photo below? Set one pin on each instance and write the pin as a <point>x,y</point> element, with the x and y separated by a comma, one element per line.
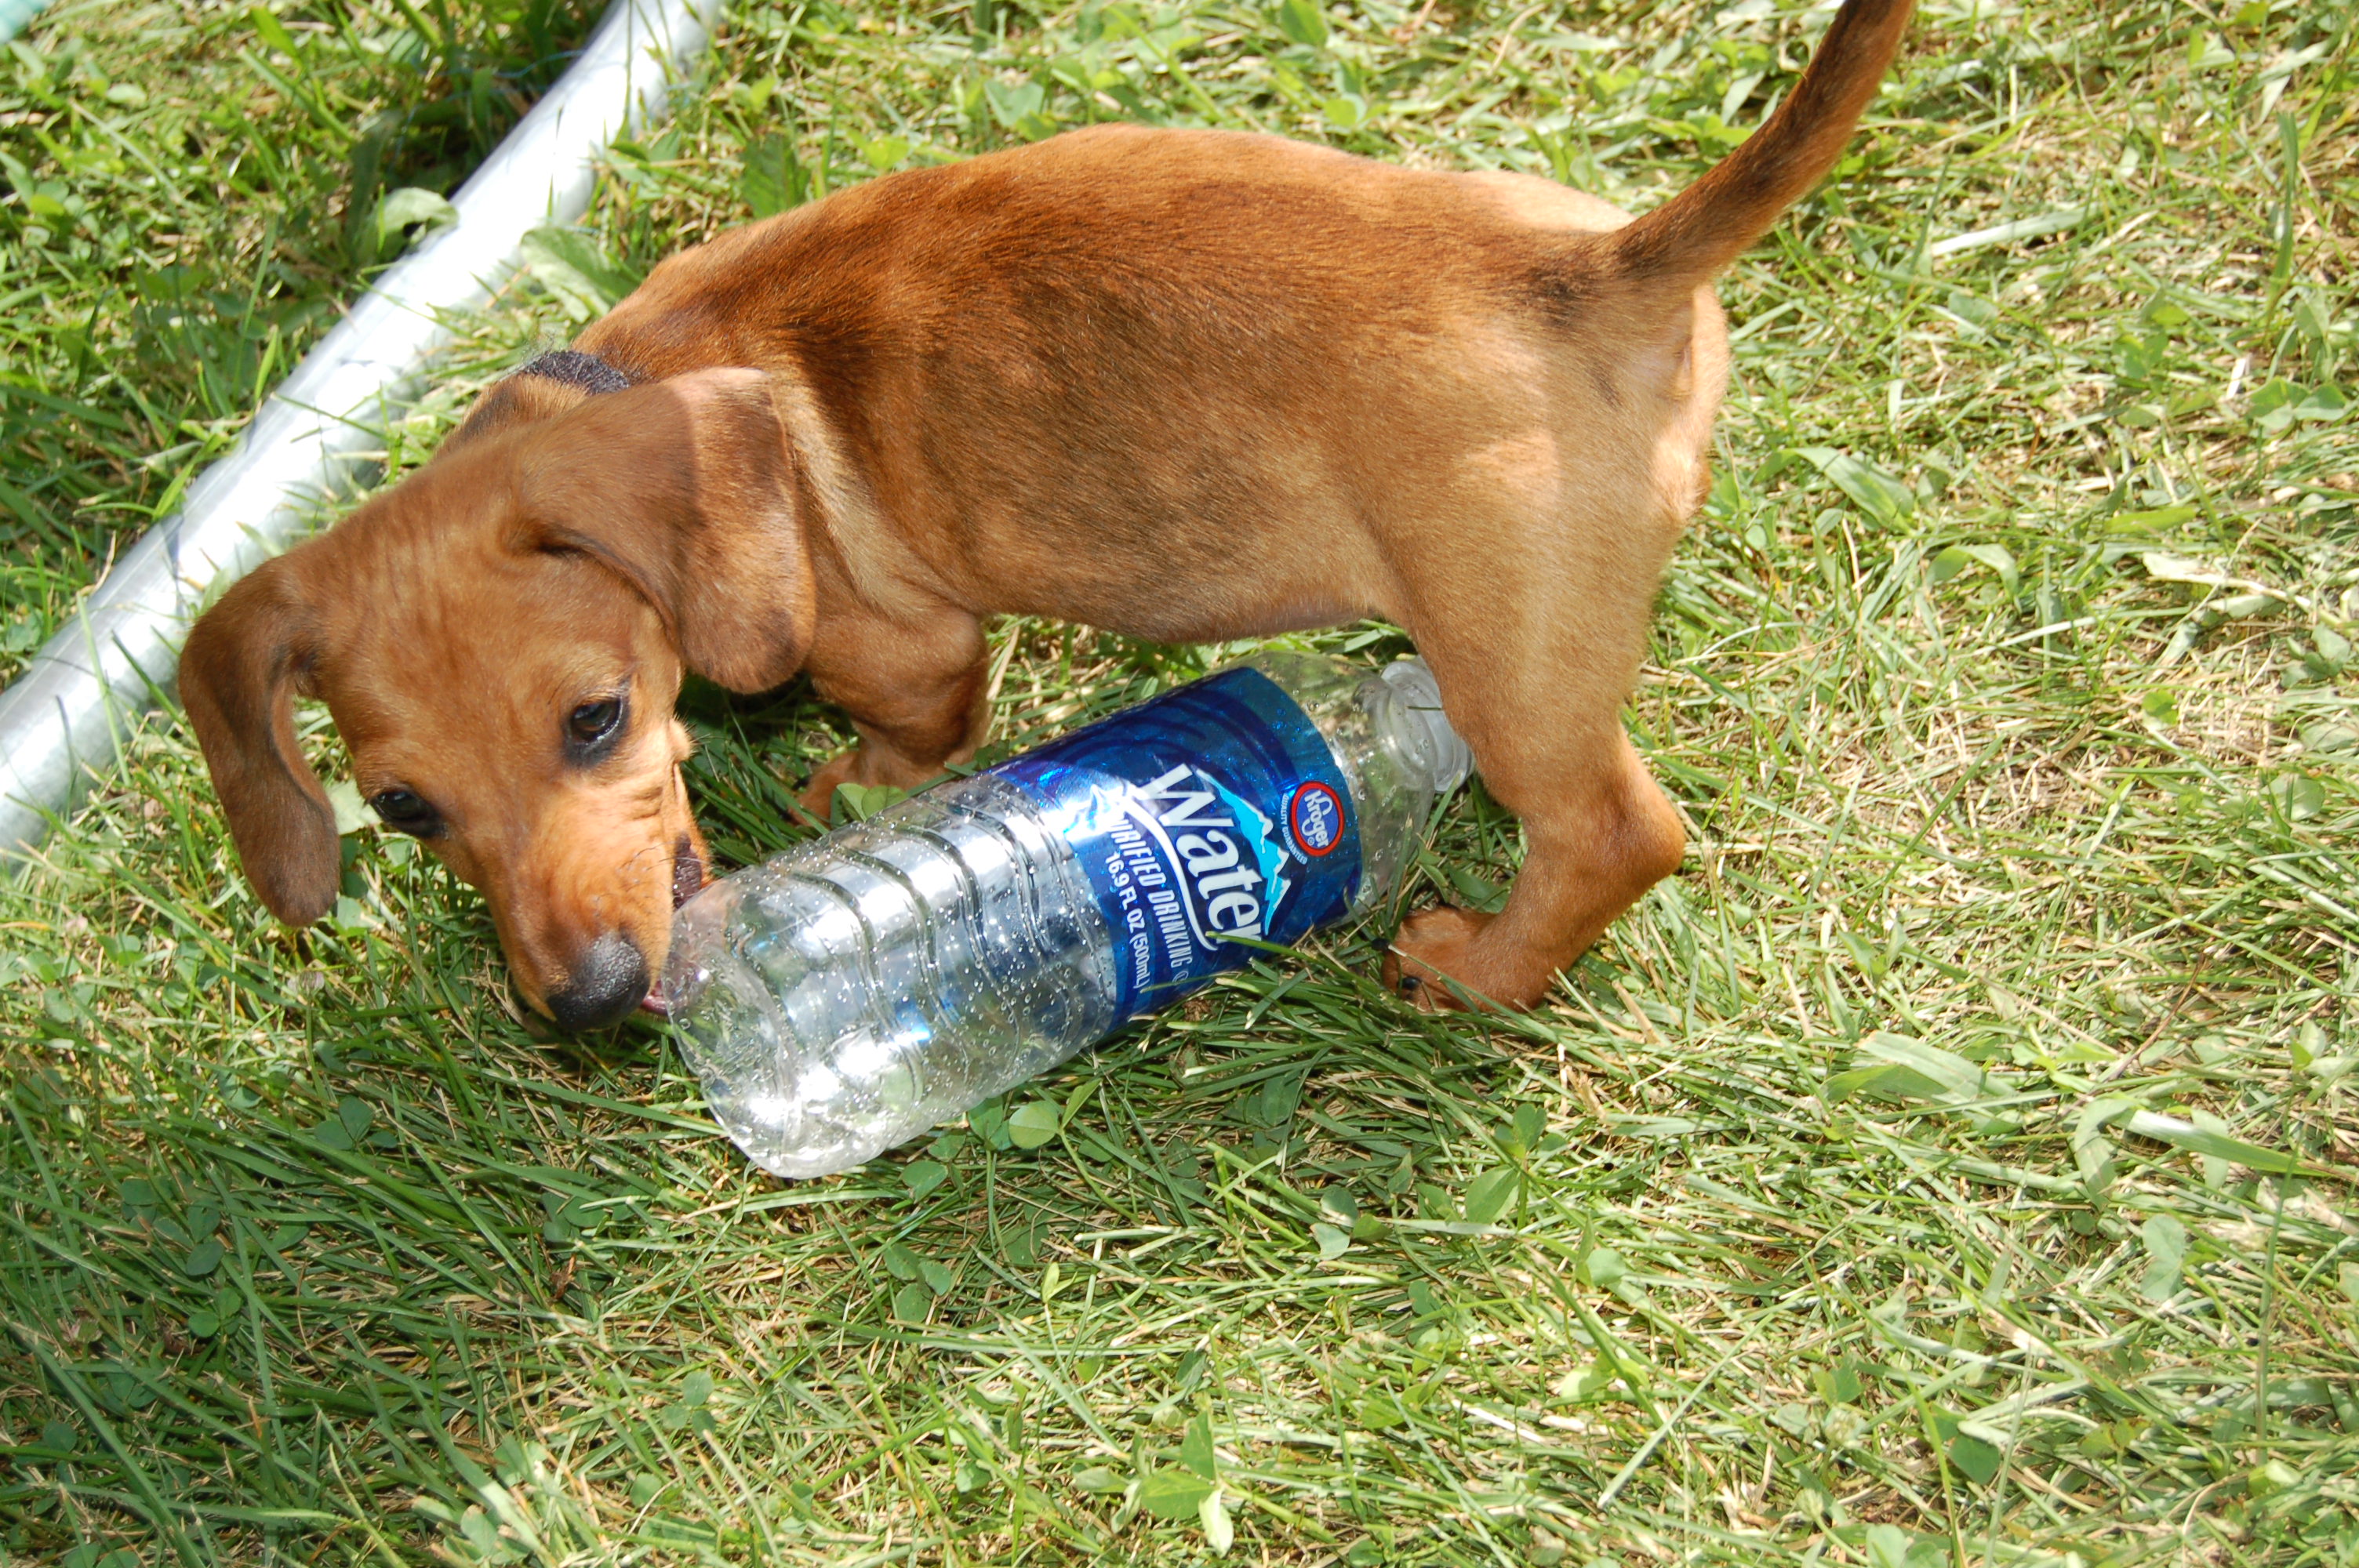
<point>1316,816</point>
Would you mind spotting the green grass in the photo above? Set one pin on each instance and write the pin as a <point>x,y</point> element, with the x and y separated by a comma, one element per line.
<point>1952,1164</point>
<point>191,193</point>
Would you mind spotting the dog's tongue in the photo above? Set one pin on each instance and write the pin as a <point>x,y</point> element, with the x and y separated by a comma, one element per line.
<point>686,882</point>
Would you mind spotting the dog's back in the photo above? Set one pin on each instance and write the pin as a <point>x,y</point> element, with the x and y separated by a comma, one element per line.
<point>1126,341</point>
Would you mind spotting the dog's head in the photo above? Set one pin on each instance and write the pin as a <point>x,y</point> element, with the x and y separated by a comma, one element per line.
<point>499,639</point>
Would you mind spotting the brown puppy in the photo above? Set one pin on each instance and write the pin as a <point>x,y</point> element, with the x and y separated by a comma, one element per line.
<point>1187,386</point>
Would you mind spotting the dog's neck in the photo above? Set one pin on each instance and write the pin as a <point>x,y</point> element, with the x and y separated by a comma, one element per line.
<point>843,517</point>
<point>574,368</point>
<point>840,512</point>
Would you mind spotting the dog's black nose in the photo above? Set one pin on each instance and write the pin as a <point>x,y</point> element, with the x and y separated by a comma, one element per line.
<point>604,987</point>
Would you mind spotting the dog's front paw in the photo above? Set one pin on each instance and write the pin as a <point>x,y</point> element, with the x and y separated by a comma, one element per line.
<point>819,796</point>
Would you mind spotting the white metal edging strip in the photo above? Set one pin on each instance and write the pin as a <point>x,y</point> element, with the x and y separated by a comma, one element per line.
<point>14,14</point>
<point>64,719</point>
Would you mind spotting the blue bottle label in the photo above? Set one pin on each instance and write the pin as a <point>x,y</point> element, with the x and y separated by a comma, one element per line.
<point>1212,813</point>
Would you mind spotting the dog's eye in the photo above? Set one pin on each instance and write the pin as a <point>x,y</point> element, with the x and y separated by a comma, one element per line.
<point>399,808</point>
<point>594,721</point>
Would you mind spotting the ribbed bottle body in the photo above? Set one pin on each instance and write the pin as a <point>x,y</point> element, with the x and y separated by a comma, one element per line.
<point>851,992</point>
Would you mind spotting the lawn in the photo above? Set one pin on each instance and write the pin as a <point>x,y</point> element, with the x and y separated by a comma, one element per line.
<point>1953,1163</point>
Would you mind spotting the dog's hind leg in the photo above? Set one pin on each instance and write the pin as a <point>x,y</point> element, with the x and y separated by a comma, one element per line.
<point>1535,628</point>
<point>1596,838</point>
<point>917,691</point>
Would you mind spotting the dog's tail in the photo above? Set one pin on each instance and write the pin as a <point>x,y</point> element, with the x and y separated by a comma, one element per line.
<point>1689,240</point>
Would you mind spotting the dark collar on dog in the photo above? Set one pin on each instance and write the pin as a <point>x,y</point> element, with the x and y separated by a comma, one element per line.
<point>574,368</point>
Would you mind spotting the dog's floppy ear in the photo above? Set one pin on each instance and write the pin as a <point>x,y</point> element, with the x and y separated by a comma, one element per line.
<point>245,659</point>
<point>690,489</point>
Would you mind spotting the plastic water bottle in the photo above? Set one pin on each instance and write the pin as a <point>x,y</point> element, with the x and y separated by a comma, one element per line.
<point>853,991</point>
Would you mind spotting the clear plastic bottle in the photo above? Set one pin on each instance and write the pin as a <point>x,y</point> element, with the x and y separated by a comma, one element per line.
<point>851,992</point>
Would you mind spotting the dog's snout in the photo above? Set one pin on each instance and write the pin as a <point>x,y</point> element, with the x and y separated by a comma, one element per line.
<point>605,986</point>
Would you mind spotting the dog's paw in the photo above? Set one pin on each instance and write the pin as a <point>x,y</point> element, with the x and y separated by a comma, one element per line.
<point>1447,960</point>
<point>819,796</point>
<point>1431,945</point>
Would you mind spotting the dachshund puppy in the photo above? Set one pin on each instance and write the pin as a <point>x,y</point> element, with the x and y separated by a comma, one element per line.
<point>1187,386</point>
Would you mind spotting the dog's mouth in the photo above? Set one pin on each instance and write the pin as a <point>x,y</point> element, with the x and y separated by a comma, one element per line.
<point>688,880</point>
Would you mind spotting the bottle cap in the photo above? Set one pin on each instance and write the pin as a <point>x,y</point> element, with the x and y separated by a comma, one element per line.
<point>1445,757</point>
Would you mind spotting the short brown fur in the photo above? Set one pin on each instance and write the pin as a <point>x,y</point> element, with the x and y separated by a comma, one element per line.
<point>1187,386</point>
